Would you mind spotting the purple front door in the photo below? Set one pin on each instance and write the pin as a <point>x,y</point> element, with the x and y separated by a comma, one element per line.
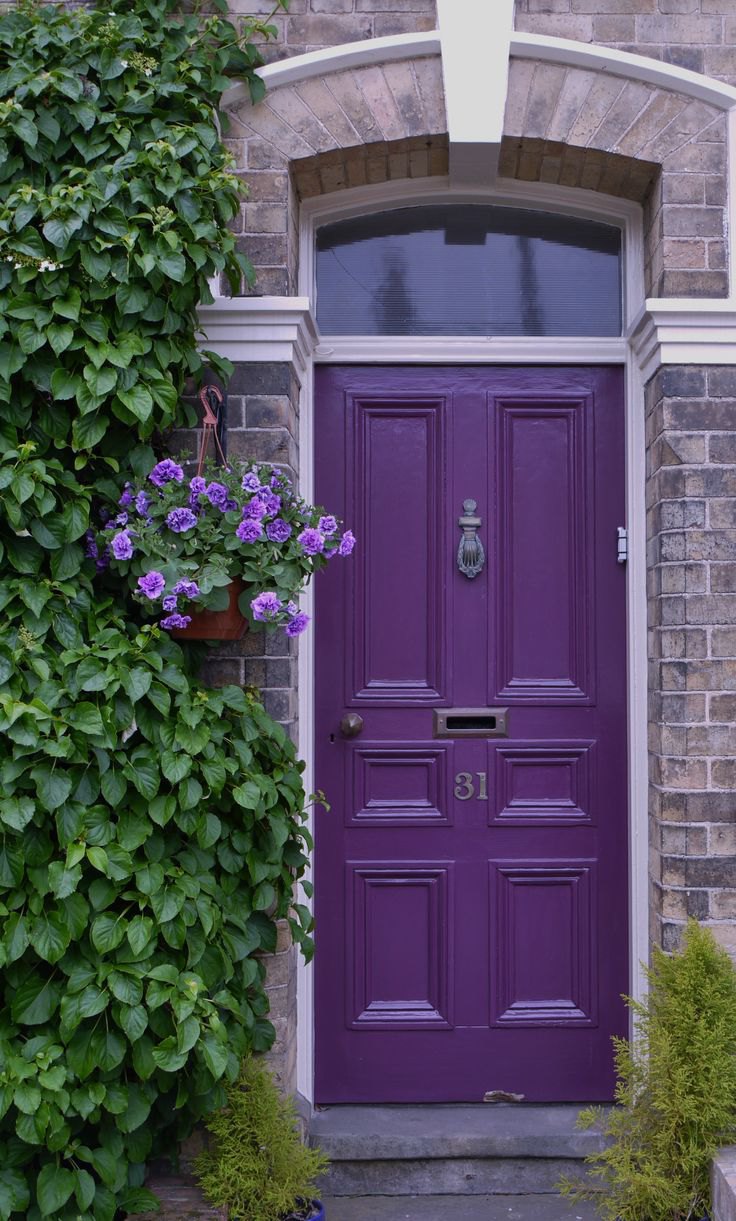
<point>471,875</point>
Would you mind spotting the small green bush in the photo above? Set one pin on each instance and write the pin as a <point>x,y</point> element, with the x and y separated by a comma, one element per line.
<point>676,1092</point>
<point>258,1167</point>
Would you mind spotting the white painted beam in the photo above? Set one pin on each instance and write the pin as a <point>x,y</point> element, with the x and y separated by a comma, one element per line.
<point>475,38</point>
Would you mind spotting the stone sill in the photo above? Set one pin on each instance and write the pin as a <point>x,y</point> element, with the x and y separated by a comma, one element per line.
<point>723,1184</point>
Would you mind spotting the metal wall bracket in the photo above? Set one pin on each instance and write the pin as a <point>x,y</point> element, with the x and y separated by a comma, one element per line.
<point>622,545</point>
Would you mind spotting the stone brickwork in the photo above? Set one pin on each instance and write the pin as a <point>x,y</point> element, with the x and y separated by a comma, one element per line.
<point>695,34</point>
<point>691,531</point>
<point>662,149</point>
<point>313,24</point>
<point>369,124</point>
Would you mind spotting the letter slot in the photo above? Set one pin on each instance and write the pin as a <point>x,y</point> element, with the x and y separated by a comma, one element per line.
<point>470,722</point>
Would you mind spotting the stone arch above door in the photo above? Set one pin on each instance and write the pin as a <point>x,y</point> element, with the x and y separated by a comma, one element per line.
<point>584,127</point>
<point>591,129</point>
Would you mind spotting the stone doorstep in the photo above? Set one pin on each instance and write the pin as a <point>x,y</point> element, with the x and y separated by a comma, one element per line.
<point>472,1150</point>
<point>370,1133</point>
<point>181,1199</point>
<point>723,1184</point>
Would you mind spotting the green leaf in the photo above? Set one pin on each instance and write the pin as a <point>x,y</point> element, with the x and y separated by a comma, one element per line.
<point>175,767</point>
<point>35,1000</point>
<point>14,1193</point>
<point>215,1056</point>
<point>137,400</point>
<point>64,385</point>
<point>67,561</point>
<point>59,335</point>
<point>139,933</point>
<point>17,812</point>
<point>50,936</point>
<point>69,305</point>
<point>96,265</point>
<point>114,786</point>
<point>133,1021</point>
<point>173,265</point>
<point>85,718</point>
<point>132,298</point>
<point>52,786</point>
<point>136,682</point>
<point>54,1186</point>
<point>88,430</point>
<point>75,519</point>
<point>107,932</point>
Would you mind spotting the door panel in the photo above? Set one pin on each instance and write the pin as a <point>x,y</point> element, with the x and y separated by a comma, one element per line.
<point>471,892</point>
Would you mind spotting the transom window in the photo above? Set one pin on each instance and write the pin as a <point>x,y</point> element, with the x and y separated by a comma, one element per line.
<point>468,269</point>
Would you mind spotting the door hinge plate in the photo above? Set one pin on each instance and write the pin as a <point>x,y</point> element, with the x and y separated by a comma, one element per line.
<point>622,545</point>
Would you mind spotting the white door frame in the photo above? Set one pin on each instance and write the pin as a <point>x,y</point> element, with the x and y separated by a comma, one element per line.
<point>489,351</point>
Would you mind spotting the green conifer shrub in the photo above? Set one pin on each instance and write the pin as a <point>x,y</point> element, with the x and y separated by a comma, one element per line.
<point>257,1166</point>
<point>676,1090</point>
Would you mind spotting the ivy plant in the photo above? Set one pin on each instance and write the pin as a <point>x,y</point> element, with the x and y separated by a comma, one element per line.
<point>151,830</point>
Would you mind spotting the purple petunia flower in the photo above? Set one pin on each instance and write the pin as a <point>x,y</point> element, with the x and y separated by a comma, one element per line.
<point>188,589</point>
<point>164,472</point>
<point>127,496</point>
<point>141,504</point>
<point>279,530</point>
<point>169,603</point>
<point>122,547</point>
<point>103,561</point>
<point>297,625</point>
<point>311,541</point>
<point>271,502</point>
<point>90,548</point>
<point>347,542</point>
<point>251,482</point>
<point>230,506</point>
<point>249,531</point>
<point>152,584</point>
<point>255,509</point>
<point>180,520</point>
<point>266,606</point>
<point>197,484</point>
<point>172,621</point>
<point>121,519</point>
<point>216,493</point>
<point>328,524</point>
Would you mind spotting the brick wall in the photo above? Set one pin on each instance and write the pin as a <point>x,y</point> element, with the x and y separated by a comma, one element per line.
<point>312,24</point>
<point>695,34</point>
<point>691,531</point>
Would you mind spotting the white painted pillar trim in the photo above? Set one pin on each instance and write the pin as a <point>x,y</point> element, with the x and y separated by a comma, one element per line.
<point>668,331</point>
<point>684,331</point>
<point>260,330</point>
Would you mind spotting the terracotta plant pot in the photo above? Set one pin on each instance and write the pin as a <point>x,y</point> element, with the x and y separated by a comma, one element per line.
<point>228,624</point>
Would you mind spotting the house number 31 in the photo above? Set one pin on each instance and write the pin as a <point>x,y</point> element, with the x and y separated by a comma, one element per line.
<point>465,786</point>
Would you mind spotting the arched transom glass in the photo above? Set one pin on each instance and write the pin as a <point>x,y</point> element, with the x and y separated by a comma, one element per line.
<point>468,269</point>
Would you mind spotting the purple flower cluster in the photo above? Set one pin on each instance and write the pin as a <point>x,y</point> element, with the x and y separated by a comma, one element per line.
<point>249,531</point>
<point>122,545</point>
<point>311,541</point>
<point>174,524</point>
<point>164,472</point>
<point>175,621</point>
<point>152,585</point>
<point>180,520</point>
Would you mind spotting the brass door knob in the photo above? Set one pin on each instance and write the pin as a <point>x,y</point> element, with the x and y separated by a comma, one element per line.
<point>351,725</point>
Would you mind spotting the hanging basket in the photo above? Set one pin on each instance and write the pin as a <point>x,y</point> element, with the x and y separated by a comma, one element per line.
<point>228,624</point>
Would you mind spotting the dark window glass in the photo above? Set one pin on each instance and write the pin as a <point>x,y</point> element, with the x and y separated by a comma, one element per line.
<point>466,269</point>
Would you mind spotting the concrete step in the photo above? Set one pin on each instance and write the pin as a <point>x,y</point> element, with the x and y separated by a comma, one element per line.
<point>456,1208</point>
<point>473,1150</point>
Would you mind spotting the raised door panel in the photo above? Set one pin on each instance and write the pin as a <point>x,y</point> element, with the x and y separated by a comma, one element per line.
<point>543,966</point>
<point>397,603</point>
<point>543,582</point>
<point>399,944</point>
<point>545,783</point>
<point>401,784</point>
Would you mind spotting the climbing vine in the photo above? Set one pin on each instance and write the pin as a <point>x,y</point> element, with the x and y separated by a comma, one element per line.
<point>150,829</point>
